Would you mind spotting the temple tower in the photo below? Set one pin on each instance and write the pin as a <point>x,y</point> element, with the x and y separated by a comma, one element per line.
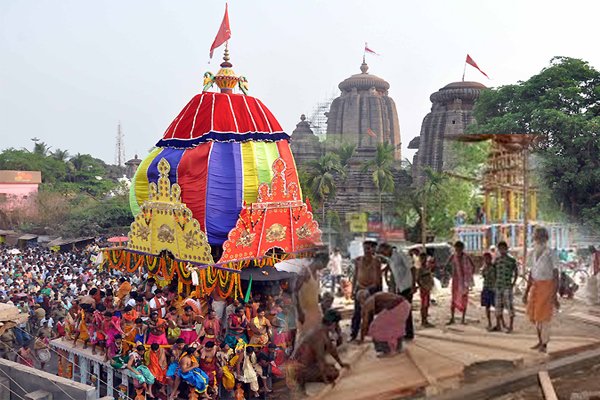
<point>364,114</point>
<point>451,113</point>
<point>304,143</point>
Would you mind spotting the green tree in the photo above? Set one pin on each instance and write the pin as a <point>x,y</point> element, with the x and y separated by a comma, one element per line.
<point>381,167</point>
<point>562,103</point>
<point>345,152</point>
<point>41,149</point>
<point>320,179</point>
<point>60,155</point>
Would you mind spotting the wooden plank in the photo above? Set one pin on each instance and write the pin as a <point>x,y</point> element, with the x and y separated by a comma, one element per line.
<point>377,378</point>
<point>546,384</point>
<point>511,382</point>
<point>468,330</point>
<point>441,372</point>
<point>467,354</point>
<point>590,319</point>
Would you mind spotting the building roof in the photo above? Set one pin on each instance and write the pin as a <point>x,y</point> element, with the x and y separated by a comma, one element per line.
<point>364,81</point>
<point>414,143</point>
<point>134,161</point>
<point>464,85</point>
<point>28,236</point>
<point>7,176</point>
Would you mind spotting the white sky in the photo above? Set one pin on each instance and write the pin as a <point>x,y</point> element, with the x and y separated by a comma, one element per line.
<point>71,69</point>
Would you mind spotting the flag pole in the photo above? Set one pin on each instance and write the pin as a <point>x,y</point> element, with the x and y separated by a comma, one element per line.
<point>464,70</point>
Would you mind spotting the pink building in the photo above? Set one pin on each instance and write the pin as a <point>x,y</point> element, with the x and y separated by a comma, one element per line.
<point>16,187</point>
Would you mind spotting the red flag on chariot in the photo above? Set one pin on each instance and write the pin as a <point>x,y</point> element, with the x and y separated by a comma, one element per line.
<point>472,63</point>
<point>224,33</point>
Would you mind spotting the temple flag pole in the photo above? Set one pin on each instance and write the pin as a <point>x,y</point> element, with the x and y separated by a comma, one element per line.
<point>464,71</point>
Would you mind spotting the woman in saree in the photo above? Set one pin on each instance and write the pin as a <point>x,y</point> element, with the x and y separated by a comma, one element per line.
<point>236,327</point>
<point>129,315</point>
<point>142,377</point>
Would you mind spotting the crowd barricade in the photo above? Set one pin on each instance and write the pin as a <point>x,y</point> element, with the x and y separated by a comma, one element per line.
<point>81,365</point>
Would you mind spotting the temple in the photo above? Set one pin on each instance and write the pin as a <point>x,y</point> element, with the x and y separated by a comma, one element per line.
<point>305,144</point>
<point>364,114</point>
<point>451,113</point>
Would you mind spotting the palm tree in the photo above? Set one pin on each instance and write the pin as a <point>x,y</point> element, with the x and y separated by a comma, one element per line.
<point>432,183</point>
<point>381,169</point>
<point>345,152</point>
<point>321,178</point>
<point>60,155</point>
<point>41,149</point>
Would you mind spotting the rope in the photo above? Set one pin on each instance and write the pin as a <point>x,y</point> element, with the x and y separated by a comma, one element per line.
<point>13,381</point>
<point>90,373</point>
<point>12,391</point>
<point>54,383</point>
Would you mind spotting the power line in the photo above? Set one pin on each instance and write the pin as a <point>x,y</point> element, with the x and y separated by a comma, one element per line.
<point>12,391</point>
<point>51,381</point>
<point>74,363</point>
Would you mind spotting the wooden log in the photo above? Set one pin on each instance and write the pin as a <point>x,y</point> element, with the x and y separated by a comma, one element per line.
<point>546,384</point>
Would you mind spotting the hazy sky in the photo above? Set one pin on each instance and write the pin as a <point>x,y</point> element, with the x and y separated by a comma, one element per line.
<point>71,69</point>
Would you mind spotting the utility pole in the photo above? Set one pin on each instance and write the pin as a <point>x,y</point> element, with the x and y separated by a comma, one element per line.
<point>423,226</point>
<point>525,200</point>
<point>119,147</point>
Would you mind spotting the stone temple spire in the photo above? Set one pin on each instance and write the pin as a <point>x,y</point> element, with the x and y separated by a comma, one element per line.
<point>364,114</point>
<point>451,113</point>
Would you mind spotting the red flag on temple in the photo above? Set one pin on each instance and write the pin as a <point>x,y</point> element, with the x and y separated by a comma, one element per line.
<point>368,50</point>
<point>472,63</point>
<point>371,133</point>
<point>224,33</point>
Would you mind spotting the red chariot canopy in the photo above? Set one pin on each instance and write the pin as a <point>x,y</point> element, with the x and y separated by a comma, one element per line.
<point>222,117</point>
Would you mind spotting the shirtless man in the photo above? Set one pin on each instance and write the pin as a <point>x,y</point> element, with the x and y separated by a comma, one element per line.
<point>373,305</point>
<point>312,350</point>
<point>306,294</point>
<point>367,276</point>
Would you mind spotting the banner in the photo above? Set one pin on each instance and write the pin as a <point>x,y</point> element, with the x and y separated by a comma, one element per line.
<point>357,222</point>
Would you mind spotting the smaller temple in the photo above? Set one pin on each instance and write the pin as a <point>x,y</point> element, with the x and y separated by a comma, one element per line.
<point>451,113</point>
<point>304,143</point>
<point>131,166</point>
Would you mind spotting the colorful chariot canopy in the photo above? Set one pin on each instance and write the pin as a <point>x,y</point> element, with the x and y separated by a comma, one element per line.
<point>220,148</point>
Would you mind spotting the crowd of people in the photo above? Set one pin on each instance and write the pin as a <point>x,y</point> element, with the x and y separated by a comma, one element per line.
<point>170,342</point>
<point>386,316</point>
<point>166,341</point>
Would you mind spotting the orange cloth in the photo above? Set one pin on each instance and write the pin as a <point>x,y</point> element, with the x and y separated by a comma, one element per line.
<point>83,331</point>
<point>124,290</point>
<point>540,304</point>
<point>154,366</point>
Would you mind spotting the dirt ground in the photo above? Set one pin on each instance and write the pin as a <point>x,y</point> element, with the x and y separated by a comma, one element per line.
<point>579,385</point>
<point>562,324</point>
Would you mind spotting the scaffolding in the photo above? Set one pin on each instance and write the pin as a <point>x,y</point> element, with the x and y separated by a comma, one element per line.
<point>318,118</point>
